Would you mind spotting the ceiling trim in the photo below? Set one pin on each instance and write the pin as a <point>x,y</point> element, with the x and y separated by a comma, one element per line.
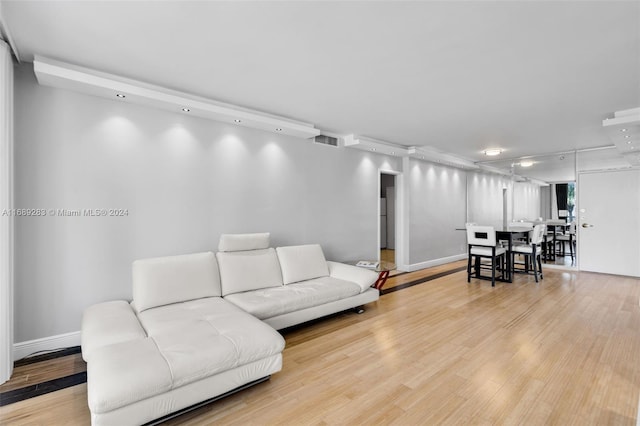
<point>84,80</point>
<point>374,145</point>
<point>431,155</point>
<point>624,131</point>
<point>549,154</point>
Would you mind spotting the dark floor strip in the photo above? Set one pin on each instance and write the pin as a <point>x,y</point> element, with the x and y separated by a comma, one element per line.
<point>421,280</point>
<point>32,391</point>
<point>49,355</point>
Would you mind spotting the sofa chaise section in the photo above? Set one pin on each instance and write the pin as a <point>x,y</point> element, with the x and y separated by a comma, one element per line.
<point>178,344</point>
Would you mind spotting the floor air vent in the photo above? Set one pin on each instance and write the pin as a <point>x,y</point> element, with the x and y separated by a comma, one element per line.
<point>326,140</point>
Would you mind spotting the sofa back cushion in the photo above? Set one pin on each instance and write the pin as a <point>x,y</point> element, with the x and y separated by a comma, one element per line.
<point>165,280</point>
<point>300,263</point>
<point>241,242</point>
<point>248,270</point>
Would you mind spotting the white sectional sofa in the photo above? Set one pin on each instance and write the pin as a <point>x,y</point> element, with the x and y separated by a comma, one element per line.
<point>203,325</point>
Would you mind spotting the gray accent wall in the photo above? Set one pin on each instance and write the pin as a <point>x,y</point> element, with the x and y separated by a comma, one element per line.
<point>180,181</point>
<point>183,181</point>
<point>437,206</point>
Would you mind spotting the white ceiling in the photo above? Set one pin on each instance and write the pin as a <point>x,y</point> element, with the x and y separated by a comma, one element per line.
<point>528,77</point>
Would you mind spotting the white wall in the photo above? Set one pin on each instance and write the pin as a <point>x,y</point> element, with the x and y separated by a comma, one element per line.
<point>526,201</point>
<point>183,180</point>
<point>485,200</point>
<point>436,208</point>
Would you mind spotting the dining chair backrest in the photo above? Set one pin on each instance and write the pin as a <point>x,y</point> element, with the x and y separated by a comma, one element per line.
<point>481,235</point>
<point>537,234</point>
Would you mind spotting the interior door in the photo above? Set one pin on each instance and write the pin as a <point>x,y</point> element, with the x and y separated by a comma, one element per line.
<point>609,222</point>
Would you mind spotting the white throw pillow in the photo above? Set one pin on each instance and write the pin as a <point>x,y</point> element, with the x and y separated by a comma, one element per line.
<point>248,270</point>
<point>300,263</point>
<point>165,280</point>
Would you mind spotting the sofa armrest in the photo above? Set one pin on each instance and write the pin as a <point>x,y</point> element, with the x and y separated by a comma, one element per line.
<point>108,323</point>
<point>363,277</point>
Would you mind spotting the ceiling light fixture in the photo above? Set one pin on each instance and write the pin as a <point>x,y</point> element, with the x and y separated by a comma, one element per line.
<point>120,95</point>
<point>526,163</point>
<point>492,152</point>
<point>278,129</point>
<point>623,130</point>
<point>238,120</point>
<point>186,109</point>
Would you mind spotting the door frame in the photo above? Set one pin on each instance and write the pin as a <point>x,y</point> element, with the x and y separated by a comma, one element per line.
<point>399,215</point>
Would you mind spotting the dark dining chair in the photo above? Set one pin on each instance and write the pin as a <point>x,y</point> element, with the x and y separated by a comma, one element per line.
<point>569,237</point>
<point>482,245</point>
<point>532,253</point>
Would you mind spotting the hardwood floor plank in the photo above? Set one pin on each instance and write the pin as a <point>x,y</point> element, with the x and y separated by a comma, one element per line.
<point>563,351</point>
<point>32,374</point>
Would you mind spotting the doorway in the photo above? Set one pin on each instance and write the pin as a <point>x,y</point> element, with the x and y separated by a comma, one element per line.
<point>387,218</point>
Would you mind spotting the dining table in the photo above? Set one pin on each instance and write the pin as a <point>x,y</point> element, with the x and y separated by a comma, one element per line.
<point>509,233</point>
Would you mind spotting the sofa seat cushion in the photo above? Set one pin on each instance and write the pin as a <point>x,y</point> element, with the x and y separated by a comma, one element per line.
<point>269,302</point>
<point>204,337</point>
<point>123,373</point>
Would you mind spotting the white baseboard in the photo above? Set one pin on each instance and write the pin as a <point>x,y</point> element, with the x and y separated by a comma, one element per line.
<point>51,343</point>
<point>435,262</point>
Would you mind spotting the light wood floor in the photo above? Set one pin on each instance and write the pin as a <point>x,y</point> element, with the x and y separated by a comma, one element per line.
<point>565,351</point>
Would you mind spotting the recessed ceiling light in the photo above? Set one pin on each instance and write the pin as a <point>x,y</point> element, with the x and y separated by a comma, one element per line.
<point>629,142</point>
<point>186,109</point>
<point>492,152</point>
<point>526,163</point>
<point>238,120</point>
<point>627,136</point>
<point>373,149</point>
<point>120,95</point>
<point>278,129</point>
<point>623,130</point>
<point>393,153</point>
